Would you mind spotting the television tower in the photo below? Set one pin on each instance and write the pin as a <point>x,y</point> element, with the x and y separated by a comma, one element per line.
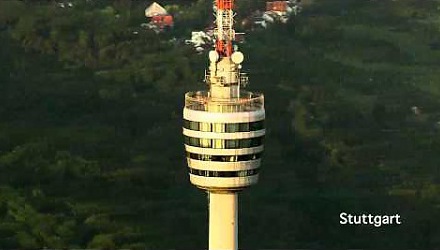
<point>224,130</point>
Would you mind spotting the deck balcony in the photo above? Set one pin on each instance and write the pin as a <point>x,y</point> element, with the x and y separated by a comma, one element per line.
<point>246,102</point>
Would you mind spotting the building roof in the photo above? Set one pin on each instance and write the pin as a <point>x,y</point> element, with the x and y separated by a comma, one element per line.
<point>155,9</point>
<point>279,6</point>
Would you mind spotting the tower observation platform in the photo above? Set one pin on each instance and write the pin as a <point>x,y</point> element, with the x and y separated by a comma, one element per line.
<point>223,129</point>
<point>223,140</point>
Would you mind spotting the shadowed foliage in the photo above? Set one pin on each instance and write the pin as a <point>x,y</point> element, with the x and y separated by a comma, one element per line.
<point>91,152</point>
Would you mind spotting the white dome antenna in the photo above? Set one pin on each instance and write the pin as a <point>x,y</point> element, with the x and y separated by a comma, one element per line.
<point>213,56</point>
<point>237,57</point>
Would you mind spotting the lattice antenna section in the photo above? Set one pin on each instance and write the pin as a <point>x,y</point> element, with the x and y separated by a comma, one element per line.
<point>224,31</point>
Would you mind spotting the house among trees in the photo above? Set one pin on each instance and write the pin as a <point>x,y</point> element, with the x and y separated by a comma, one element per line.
<point>159,17</point>
<point>283,8</point>
<point>276,11</point>
<point>279,7</point>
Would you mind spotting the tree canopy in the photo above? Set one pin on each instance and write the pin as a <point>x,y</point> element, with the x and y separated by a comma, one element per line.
<point>91,152</point>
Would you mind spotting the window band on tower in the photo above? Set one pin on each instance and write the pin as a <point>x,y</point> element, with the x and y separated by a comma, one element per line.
<point>223,158</point>
<point>224,143</point>
<point>208,173</point>
<point>223,127</point>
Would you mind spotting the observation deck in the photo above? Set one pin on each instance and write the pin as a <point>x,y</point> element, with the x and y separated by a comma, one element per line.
<point>223,139</point>
<point>246,102</point>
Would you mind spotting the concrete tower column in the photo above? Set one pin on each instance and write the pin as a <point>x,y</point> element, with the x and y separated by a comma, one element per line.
<point>223,221</point>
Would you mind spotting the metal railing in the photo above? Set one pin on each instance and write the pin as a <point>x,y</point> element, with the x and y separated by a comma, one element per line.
<point>247,102</point>
<point>243,79</point>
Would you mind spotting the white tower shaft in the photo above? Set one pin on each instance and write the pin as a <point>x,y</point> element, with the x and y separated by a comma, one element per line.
<point>223,222</point>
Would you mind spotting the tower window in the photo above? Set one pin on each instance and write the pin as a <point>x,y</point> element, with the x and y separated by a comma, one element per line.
<point>223,127</point>
<point>223,158</point>
<point>207,173</point>
<point>224,143</point>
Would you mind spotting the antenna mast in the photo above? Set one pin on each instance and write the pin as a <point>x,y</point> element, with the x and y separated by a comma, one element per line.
<point>224,31</point>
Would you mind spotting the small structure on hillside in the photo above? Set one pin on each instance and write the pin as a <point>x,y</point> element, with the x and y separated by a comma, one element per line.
<point>200,40</point>
<point>276,11</point>
<point>163,21</point>
<point>155,9</point>
<point>278,7</point>
<point>159,17</point>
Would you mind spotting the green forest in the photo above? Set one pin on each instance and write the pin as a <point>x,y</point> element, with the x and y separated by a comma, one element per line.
<point>91,145</point>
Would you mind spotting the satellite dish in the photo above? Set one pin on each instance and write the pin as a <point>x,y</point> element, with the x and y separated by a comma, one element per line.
<point>213,56</point>
<point>237,57</point>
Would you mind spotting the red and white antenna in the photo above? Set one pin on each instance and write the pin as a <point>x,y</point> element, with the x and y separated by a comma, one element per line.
<point>224,31</point>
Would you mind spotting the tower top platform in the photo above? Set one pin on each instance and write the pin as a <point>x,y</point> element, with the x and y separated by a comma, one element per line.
<point>245,102</point>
